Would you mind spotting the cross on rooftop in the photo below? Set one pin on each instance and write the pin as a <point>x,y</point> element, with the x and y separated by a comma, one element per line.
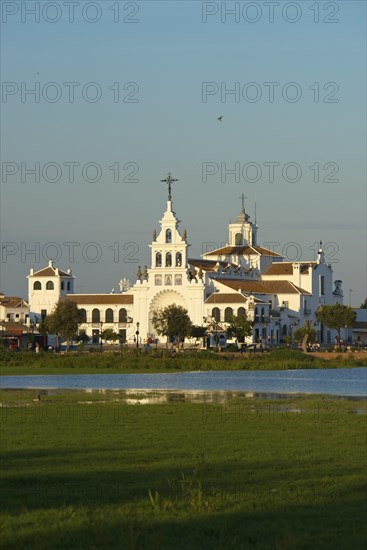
<point>242,197</point>
<point>169,180</point>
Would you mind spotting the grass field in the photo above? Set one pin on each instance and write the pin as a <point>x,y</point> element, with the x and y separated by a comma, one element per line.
<point>85,474</point>
<point>12,363</point>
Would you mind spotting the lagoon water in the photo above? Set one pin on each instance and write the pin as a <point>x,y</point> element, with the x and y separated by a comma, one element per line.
<point>344,382</point>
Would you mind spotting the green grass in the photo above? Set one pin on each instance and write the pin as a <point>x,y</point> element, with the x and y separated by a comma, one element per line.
<point>245,474</point>
<point>25,362</point>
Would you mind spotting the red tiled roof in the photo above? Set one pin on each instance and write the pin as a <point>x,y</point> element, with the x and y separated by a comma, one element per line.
<point>13,301</point>
<point>225,298</point>
<point>263,287</point>
<point>101,298</point>
<point>286,268</point>
<point>209,265</point>
<point>51,272</point>
<point>246,250</point>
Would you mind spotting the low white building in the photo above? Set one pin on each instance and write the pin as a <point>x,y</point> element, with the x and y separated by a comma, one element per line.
<point>241,277</point>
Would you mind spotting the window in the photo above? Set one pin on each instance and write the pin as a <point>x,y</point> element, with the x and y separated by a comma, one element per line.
<point>37,286</point>
<point>228,314</point>
<point>322,285</point>
<point>238,240</point>
<point>109,315</point>
<point>43,313</point>
<point>50,285</point>
<point>62,285</point>
<point>68,286</point>
<point>83,316</point>
<point>158,280</point>
<point>216,314</point>
<point>168,259</point>
<point>168,280</point>
<point>178,259</point>
<point>263,314</point>
<point>96,317</point>
<point>241,312</point>
<point>168,236</point>
<point>178,279</point>
<point>158,260</point>
<point>123,315</point>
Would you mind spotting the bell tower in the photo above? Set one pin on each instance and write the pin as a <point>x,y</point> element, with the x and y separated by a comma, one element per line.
<point>242,232</point>
<point>169,249</point>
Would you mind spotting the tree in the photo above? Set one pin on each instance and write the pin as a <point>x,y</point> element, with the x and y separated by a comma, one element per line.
<point>64,320</point>
<point>305,334</point>
<point>364,305</point>
<point>336,317</point>
<point>109,335</point>
<point>239,327</point>
<point>172,321</point>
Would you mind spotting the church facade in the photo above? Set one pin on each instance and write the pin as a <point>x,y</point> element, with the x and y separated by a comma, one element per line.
<point>241,277</point>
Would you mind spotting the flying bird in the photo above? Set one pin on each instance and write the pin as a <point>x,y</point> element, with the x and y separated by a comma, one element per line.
<point>220,118</point>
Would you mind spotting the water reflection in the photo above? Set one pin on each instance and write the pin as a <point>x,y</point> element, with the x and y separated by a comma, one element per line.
<point>344,381</point>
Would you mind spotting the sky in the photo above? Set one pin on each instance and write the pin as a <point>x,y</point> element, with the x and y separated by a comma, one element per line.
<point>125,92</point>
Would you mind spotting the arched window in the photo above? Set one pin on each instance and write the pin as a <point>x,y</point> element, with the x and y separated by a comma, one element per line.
<point>37,286</point>
<point>241,312</point>
<point>109,315</point>
<point>68,286</point>
<point>262,314</point>
<point>83,315</point>
<point>216,314</point>
<point>168,259</point>
<point>50,285</point>
<point>122,315</point>
<point>168,236</point>
<point>228,314</point>
<point>62,285</point>
<point>96,317</point>
<point>158,260</point>
<point>238,239</point>
<point>178,259</point>
<point>256,315</point>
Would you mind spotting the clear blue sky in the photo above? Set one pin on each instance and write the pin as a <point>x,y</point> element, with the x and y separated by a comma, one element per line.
<point>169,53</point>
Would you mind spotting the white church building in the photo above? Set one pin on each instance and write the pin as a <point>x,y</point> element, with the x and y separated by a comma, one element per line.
<point>241,277</point>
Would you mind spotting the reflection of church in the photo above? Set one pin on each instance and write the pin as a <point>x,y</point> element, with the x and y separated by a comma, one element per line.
<point>240,277</point>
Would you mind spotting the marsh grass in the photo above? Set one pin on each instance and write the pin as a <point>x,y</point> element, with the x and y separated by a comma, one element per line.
<point>246,474</point>
<point>128,361</point>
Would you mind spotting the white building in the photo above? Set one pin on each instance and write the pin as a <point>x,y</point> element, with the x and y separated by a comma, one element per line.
<point>239,277</point>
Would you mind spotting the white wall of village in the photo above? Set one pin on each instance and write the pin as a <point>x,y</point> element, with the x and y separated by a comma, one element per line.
<point>170,279</point>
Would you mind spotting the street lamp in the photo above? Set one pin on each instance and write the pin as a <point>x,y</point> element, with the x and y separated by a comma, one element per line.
<point>137,334</point>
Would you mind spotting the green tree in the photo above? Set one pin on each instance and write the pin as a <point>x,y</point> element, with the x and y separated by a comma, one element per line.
<point>336,317</point>
<point>239,327</point>
<point>305,334</point>
<point>109,335</point>
<point>364,305</point>
<point>172,321</point>
<point>64,320</point>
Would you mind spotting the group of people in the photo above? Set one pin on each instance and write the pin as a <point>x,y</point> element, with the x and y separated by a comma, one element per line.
<point>309,346</point>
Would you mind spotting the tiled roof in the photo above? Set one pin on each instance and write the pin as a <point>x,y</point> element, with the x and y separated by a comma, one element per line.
<point>246,250</point>
<point>101,298</point>
<point>13,301</point>
<point>225,298</point>
<point>51,272</point>
<point>208,265</point>
<point>14,327</point>
<point>286,268</point>
<point>263,287</point>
